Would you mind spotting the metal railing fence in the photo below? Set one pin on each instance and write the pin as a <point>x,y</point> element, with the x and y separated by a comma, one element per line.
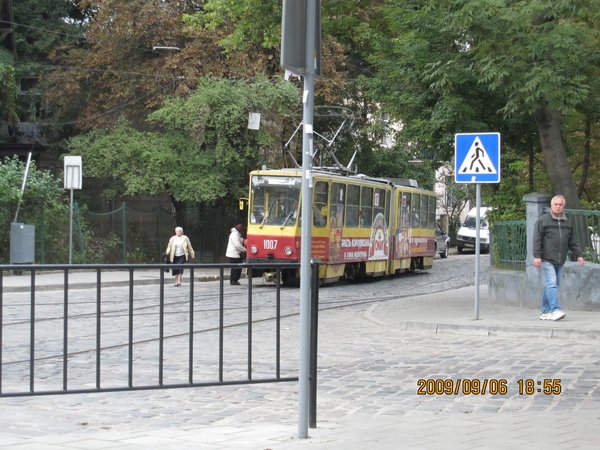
<point>116,329</point>
<point>587,232</point>
<point>509,239</point>
<point>509,244</point>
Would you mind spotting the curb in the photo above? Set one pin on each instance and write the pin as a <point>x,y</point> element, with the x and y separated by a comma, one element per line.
<point>104,284</point>
<point>416,326</point>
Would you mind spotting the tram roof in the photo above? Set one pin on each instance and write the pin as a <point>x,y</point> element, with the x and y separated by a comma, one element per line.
<point>334,172</point>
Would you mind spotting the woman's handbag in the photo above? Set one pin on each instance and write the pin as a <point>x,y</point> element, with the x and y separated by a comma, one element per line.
<point>165,260</point>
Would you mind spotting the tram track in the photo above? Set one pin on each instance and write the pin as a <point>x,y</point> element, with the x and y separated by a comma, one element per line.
<point>323,306</point>
<point>176,312</point>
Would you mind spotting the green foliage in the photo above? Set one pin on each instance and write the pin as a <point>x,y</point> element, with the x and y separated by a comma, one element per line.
<point>250,22</point>
<point>448,66</point>
<point>551,63</point>
<point>34,41</point>
<point>44,205</point>
<point>8,94</point>
<point>469,50</point>
<point>392,163</point>
<point>204,150</point>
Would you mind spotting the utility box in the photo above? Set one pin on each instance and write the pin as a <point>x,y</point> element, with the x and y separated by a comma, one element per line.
<point>22,243</point>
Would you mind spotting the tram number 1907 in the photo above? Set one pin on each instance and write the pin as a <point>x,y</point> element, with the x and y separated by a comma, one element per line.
<point>270,244</point>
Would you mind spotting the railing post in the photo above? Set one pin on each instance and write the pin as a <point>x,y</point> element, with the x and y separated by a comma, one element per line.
<point>1,321</point>
<point>314,327</point>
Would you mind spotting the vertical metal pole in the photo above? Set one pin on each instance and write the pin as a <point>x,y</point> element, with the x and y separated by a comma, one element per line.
<point>130,327</point>
<point>98,325</point>
<point>477,245</point>
<point>249,328</point>
<point>161,335</point>
<point>314,326</point>
<point>1,321</point>
<point>305,248</point>
<point>66,330</point>
<point>221,322</point>
<point>191,330</point>
<point>277,323</point>
<point>71,230</point>
<point>32,335</point>
<point>23,185</point>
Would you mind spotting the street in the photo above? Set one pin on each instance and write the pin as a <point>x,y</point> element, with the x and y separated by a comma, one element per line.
<point>369,379</point>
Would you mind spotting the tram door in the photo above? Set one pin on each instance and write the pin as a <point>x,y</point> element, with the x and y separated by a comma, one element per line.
<point>402,244</point>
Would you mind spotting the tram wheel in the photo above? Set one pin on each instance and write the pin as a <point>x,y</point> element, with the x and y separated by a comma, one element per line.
<point>350,272</point>
<point>413,265</point>
<point>355,271</point>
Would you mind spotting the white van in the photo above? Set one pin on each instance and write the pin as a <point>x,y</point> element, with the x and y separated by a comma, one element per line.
<point>465,239</point>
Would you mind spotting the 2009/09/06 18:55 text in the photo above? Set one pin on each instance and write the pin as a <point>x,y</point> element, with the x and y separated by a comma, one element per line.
<point>492,386</point>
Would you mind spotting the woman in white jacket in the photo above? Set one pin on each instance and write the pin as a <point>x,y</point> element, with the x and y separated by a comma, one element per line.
<point>235,252</point>
<point>179,251</point>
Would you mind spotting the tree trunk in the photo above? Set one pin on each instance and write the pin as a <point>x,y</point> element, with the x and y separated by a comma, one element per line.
<point>555,156</point>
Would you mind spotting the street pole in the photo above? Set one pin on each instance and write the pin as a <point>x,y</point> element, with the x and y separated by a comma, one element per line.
<point>306,222</point>
<point>477,245</point>
<point>73,180</point>
<point>23,186</point>
<point>71,230</point>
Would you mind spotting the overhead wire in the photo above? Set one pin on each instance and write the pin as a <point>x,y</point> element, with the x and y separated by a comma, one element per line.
<point>38,29</point>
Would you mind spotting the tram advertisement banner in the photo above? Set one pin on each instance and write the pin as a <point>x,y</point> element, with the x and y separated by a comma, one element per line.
<point>349,248</point>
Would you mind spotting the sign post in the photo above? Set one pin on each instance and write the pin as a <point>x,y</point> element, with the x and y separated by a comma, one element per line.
<point>72,180</point>
<point>477,160</point>
<point>301,55</point>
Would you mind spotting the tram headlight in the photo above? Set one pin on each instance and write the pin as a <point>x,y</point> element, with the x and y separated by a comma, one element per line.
<point>287,251</point>
<point>253,249</point>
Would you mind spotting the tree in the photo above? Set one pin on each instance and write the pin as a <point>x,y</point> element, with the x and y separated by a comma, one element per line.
<point>8,95</point>
<point>456,65</point>
<point>201,149</point>
<point>253,27</point>
<point>43,204</point>
<point>41,27</point>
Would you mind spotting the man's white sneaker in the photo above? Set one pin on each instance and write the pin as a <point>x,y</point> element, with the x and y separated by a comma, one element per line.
<point>546,316</point>
<point>557,314</point>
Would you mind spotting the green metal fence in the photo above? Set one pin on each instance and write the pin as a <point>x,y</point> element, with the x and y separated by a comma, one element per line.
<point>509,239</point>
<point>509,244</point>
<point>587,232</point>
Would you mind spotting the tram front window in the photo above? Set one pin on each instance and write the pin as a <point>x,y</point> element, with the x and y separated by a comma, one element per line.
<point>275,200</point>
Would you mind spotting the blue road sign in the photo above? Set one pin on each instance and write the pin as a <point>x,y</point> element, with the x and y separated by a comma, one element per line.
<point>477,157</point>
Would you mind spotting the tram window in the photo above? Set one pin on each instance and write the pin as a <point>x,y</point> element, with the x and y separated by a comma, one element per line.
<point>338,199</point>
<point>258,205</point>
<point>366,207</point>
<point>424,210</point>
<point>379,202</point>
<point>352,206</point>
<point>415,210</point>
<point>404,219</point>
<point>321,199</point>
<point>388,217</point>
<point>431,216</point>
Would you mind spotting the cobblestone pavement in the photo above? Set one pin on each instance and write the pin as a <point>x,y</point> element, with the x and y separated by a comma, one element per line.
<point>367,398</point>
<point>369,372</point>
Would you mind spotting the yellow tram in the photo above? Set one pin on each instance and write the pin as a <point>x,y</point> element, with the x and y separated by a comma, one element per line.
<point>361,226</point>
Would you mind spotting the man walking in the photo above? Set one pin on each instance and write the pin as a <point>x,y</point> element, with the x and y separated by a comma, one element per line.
<point>552,238</point>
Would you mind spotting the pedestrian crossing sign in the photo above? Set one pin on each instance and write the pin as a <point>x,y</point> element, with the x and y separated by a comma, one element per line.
<point>477,157</point>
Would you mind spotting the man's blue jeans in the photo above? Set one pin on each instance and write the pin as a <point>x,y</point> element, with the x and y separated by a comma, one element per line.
<point>551,274</point>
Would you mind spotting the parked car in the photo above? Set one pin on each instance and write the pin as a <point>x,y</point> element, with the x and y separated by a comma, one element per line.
<point>442,242</point>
